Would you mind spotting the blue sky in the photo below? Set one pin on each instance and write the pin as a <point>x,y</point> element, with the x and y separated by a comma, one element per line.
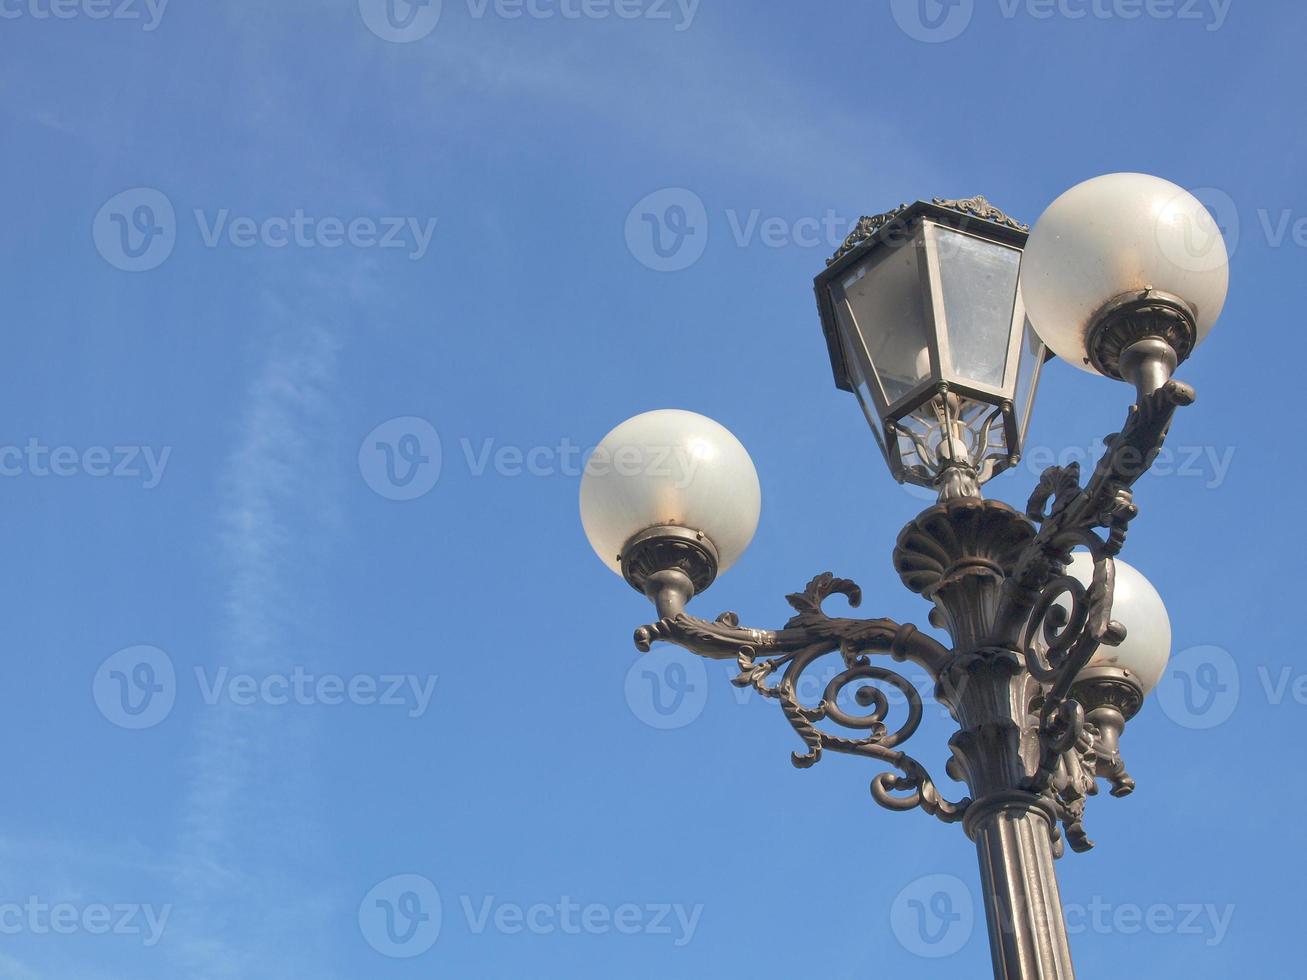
<point>247,243</point>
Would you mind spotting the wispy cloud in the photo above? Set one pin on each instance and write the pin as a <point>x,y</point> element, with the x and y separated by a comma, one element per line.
<point>249,812</point>
<point>768,119</point>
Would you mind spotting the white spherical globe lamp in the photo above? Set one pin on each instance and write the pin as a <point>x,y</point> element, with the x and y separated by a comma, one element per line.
<point>670,489</point>
<point>1146,650</point>
<point>1121,258</point>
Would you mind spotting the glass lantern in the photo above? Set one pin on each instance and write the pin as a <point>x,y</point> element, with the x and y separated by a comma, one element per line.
<point>925,323</point>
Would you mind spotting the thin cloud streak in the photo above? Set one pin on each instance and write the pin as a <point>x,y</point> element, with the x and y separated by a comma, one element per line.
<point>252,768</point>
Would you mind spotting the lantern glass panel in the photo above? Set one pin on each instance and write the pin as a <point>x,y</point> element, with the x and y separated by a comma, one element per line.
<point>1031,361</point>
<point>867,398</point>
<point>978,281</point>
<point>882,314</point>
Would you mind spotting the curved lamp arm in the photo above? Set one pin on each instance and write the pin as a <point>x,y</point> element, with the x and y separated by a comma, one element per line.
<point>805,639</point>
<point>1068,515</point>
<point>723,638</point>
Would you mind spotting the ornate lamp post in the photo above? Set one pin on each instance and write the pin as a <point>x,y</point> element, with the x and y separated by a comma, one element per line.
<point>937,316</point>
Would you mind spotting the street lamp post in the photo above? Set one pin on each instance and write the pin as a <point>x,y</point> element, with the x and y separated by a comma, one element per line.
<point>938,316</point>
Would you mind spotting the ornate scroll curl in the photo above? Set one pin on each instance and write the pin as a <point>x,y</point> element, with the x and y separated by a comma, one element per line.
<point>774,662</point>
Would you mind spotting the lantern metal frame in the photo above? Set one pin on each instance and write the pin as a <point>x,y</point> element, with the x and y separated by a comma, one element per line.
<point>918,226</point>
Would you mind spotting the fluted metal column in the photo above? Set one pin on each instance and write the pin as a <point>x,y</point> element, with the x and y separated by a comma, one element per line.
<point>1023,906</point>
<point>994,752</point>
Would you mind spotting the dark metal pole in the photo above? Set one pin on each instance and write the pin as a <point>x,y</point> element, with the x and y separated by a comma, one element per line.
<point>1027,934</point>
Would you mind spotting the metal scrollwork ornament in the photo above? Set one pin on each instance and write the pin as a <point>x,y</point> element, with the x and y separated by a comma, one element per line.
<point>869,226</point>
<point>1065,622</point>
<point>809,637</point>
<point>980,207</point>
<point>864,231</point>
